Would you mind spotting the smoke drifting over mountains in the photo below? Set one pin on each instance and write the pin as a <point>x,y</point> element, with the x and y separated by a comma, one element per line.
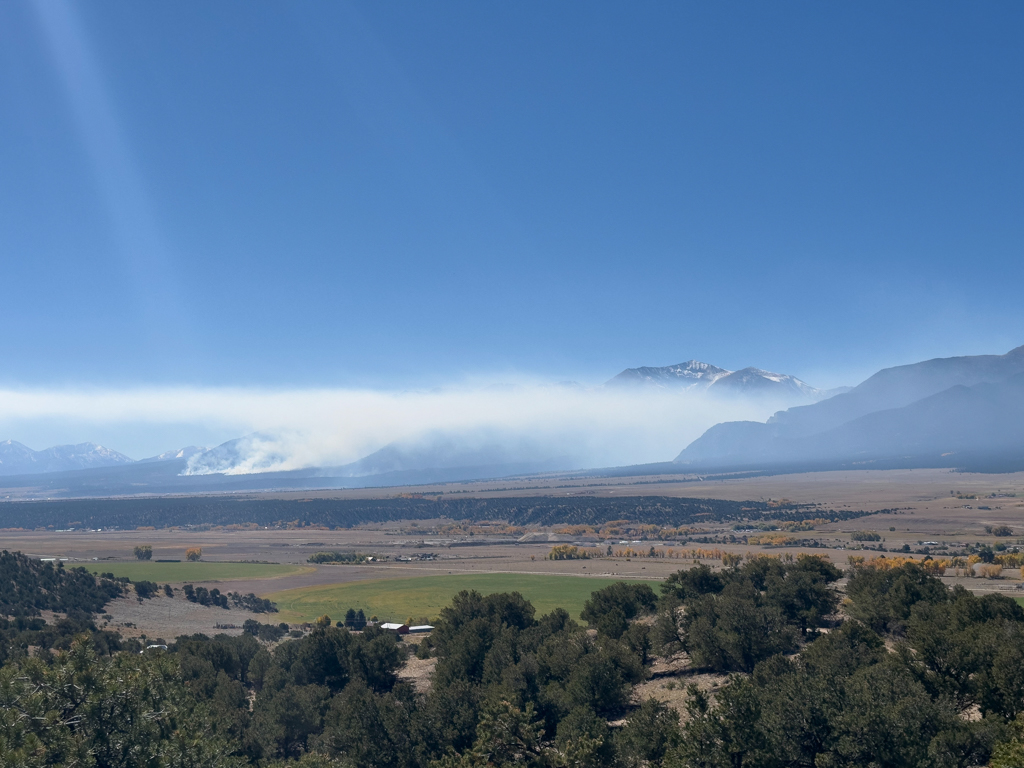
<point>531,423</point>
<point>947,411</point>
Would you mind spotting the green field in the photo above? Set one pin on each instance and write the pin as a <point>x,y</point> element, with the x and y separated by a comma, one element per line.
<point>175,573</point>
<point>423,597</point>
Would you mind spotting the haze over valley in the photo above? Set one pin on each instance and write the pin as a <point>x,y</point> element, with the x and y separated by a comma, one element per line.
<point>476,429</point>
<point>950,412</point>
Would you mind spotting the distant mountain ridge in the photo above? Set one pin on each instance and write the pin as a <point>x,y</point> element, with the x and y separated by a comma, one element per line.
<point>437,453</point>
<point>920,414</point>
<point>441,452</point>
<point>925,412</point>
<point>182,453</point>
<point>698,376</point>
<point>18,459</point>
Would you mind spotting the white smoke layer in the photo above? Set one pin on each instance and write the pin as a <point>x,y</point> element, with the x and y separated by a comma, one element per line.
<point>301,428</point>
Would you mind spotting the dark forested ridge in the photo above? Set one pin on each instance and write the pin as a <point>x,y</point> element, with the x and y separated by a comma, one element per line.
<point>345,513</point>
<point>28,586</point>
<point>909,674</point>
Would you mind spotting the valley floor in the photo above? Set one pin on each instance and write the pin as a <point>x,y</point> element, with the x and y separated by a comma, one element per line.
<point>930,506</point>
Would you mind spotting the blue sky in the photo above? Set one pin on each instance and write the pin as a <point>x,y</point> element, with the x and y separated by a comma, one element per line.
<point>381,194</point>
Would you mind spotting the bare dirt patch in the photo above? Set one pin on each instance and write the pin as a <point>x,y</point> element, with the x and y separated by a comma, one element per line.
<point>672,691</point>
<point>166,617</point>
<point>418,673</point>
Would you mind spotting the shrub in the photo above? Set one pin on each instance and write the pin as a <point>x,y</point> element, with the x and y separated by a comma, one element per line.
<point>268,632</point>
<point>570,552</point>
<point>990,571</point>
<point>611,609</point>
<point>338,557</point>
<point>882,597</point>
<point>865,536</point>
<point>355,619</point>
<point>423,649</point>
<point>251,602</point>
<point>205,597</point>
<point>734,629</point>
<point>146,589</point>
<point>694,582</point>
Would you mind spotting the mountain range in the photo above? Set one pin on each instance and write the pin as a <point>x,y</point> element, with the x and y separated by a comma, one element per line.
<point>443,455</point>
<point>181,453</point>
<point>451,452</point>
<point>939,412</point>
<point>704,377</point>
<point>946,412</point>
<point>257,453</point>
<point>18,459</point>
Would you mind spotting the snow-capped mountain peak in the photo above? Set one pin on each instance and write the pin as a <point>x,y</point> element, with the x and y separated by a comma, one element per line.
<point>18,459</point>
<point>181,453</point>
<point>691,374</point>
<point>759,381</point>
<point>698,376</point>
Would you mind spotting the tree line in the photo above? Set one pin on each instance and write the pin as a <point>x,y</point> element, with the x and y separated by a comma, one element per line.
<point>346,513</point>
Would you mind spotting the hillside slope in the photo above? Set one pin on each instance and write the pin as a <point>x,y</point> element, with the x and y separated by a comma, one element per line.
<point>926,411</point>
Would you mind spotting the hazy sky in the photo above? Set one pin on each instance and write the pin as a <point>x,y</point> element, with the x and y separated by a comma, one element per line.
<point>321,194</point>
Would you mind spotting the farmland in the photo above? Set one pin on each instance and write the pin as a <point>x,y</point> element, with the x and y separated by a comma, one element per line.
<point>177,573</point>
<point>424,561</point>
<point>423,597</point>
